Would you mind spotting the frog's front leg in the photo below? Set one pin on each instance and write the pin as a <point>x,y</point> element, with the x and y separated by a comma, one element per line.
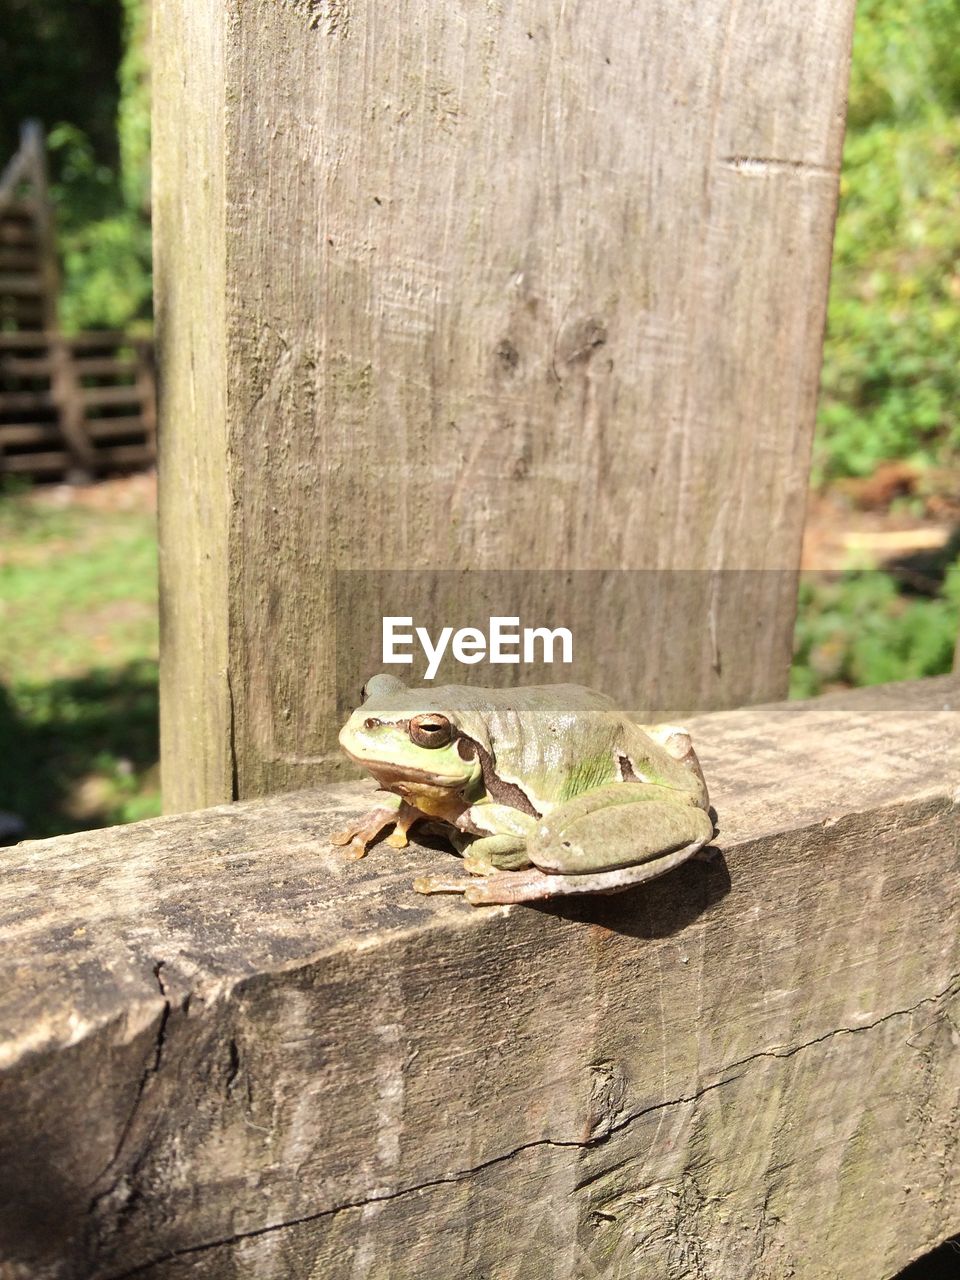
<point>487,856</point>
<point>618,826</point>
<point>504,849</point>
<point>393,811</point>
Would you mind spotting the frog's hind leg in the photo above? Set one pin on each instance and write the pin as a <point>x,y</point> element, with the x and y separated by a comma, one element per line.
<point>617,827</point>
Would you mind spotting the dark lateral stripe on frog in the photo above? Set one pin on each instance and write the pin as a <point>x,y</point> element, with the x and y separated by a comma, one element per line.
<point>503,792</point>
<point>627,771</point>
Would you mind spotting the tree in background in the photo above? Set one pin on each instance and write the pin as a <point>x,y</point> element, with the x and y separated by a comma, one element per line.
<point>59,61</point>
<point>82,68</point>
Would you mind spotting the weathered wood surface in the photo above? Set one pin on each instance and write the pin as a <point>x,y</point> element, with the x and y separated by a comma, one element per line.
<point>486,286</point>
<point>190,328</point>
<point>230,1053</point>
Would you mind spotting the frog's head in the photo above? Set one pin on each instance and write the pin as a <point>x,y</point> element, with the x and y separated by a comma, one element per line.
<point>409,739</point>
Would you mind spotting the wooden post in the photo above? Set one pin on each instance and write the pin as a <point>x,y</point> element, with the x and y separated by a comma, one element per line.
<point>71,418</point>
<point>190,332</point>
<point>230,1051</point>
<point>485,287</point>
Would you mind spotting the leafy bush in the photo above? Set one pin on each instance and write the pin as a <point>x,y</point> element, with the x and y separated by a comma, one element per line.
<point>104,242</point>
<point>861,629</point>
<point>891,379</point>
<point>103,211</point>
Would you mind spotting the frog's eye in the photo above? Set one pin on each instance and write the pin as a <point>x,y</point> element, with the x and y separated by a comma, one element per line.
<point>430,731</point>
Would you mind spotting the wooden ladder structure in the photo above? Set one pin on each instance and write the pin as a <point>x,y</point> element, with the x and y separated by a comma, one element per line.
<point>73,405</point>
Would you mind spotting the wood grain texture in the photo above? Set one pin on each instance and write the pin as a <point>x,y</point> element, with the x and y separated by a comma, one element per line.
<point>497,288</point>
<point>230,1053</point>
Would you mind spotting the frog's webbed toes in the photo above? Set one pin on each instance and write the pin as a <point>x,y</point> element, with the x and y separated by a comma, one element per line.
<point>478,866</point>
<point>404,819</point>
<point>352,840</point>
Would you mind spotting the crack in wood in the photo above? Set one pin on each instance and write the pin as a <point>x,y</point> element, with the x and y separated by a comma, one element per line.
<point>97,1209</point>
<point>232,739</point>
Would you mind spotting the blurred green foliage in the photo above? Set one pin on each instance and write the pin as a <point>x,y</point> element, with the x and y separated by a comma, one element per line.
<point>891,377</point>
<point>891,374</point>
<point>78,588</point>
<point>104,241</point>
<point>133,113</point>
<point>861,628</point>
<point>102,210</point>
<point>81,752</point>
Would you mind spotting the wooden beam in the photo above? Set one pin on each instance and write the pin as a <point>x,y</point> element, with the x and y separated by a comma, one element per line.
<point>101,397</point>
<point>230,1051</point>
<point>129,456</point>
<point>21,284</point>
<point>509,289</point>
<point>15,401</point>
<point>92,339</point>
<point>146,382</point>
<point>93,367</point>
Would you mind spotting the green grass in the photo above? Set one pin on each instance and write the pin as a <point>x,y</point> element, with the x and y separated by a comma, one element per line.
<point>78,666</point>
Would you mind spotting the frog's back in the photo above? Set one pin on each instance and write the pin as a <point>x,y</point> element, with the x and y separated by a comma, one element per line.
<point>552,740</point>
<point>560,741</point>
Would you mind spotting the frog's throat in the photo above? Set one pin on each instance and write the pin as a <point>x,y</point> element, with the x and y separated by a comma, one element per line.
<point>440,796</point>
<point>433,802</point>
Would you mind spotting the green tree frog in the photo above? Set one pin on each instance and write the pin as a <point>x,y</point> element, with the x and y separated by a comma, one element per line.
<point>544,790</point>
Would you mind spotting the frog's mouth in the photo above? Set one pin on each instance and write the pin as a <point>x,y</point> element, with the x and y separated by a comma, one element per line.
<point>397,778</point>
